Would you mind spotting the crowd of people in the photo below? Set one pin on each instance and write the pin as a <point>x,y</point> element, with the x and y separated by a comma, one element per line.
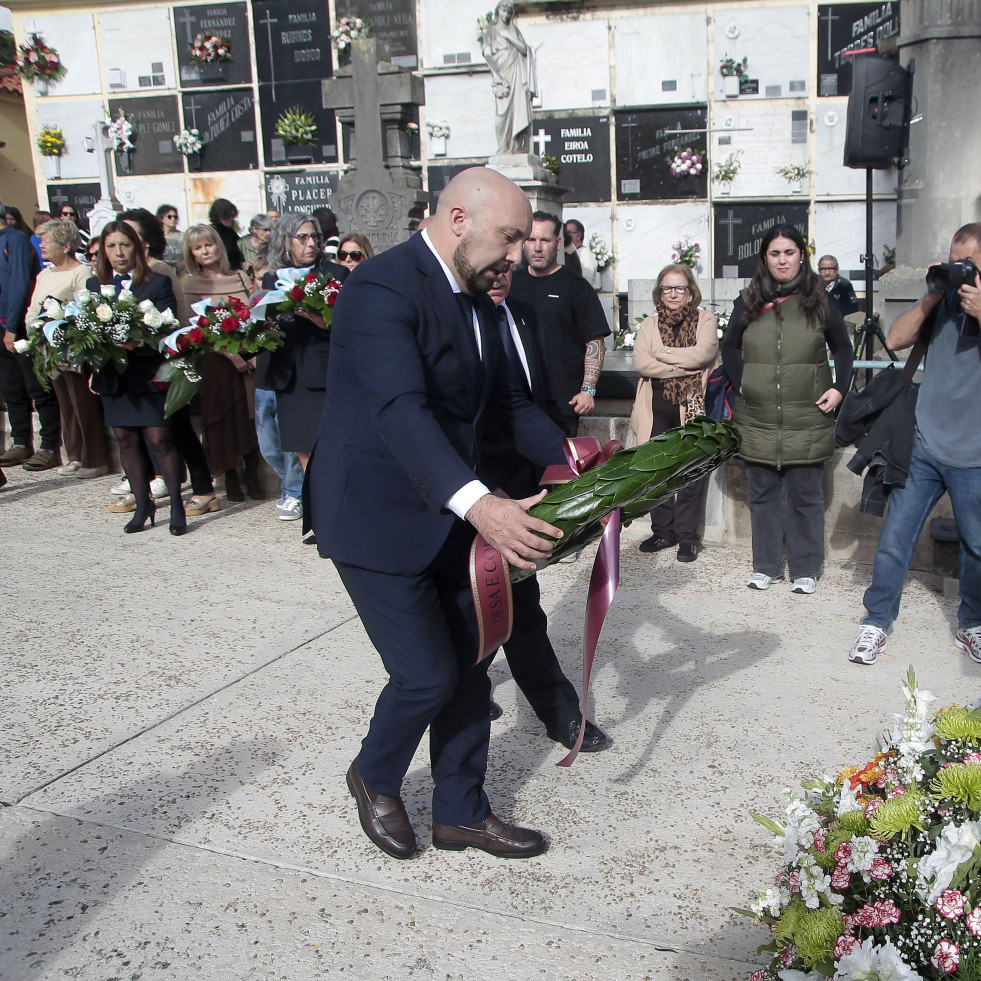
<point>250,407</point>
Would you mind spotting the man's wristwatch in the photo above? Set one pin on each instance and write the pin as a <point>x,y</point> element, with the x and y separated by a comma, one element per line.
<point>590,390</point>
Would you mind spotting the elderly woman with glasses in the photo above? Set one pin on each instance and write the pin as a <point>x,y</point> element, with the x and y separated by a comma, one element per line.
<point>353,249</point>
<point>297,372</point>
<point>674,352</point>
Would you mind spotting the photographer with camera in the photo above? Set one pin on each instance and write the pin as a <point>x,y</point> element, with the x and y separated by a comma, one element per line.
<point>946,449</point>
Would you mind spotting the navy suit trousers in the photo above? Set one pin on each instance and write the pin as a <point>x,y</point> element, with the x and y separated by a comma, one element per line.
<point>425,629</point>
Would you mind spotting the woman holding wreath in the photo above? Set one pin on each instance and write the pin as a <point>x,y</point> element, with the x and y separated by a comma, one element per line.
<point>775,354</point>
<point>674,352</point>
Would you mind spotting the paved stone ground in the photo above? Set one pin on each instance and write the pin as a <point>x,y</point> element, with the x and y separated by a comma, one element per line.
<point>178,715</point>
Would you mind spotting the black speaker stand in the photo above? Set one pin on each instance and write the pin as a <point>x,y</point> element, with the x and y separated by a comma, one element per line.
<point>870,329</point>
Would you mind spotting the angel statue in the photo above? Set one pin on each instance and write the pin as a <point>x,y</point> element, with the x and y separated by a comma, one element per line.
<point>514,80</point>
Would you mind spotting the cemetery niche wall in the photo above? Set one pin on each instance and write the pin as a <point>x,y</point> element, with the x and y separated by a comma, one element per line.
<point>581,144</point>
<point>228,21</point>
<point>847,27</point>
<point>648,144</point>
<point>739,231</point>
<point>155,121</point>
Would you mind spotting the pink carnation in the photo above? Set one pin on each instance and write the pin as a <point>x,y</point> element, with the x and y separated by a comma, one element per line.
<point>819,840</point>
<point>843,852</point>
<point>868,916</point>
<point>841,877</point>
<point>973,921</point>
<point>950,903</point>
<point>872,806</point>
<point>845,944</point>
<point>888,912</point>
<point>793,883</point>
<point>787,955</point>
<point>757,976</point>
<point>946,957</point>
<point>974,758</point>
<point>880,870</point>
<point>896,791</point>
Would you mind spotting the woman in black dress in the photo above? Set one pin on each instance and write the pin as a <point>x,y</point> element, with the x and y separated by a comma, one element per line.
<point>133,404</point>
<point>297,371</point>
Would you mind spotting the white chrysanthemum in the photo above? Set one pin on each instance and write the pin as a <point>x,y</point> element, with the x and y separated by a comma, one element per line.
<point>956,845</point>
<point>107,289</point>
<point>870,963</point>
<point>104,312</point>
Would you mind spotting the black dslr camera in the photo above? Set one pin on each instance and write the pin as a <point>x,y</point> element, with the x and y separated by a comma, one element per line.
<point>951,275</point>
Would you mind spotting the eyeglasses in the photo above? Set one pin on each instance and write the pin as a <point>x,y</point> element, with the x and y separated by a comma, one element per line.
<point>355,255</point>
<point>674,289</point>
<point>306,237</point>
<point>168,217</point>
<point>827,268</point>
<point>69,214</point>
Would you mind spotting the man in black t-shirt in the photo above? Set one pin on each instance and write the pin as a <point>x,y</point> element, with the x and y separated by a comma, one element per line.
<point>571,320</point>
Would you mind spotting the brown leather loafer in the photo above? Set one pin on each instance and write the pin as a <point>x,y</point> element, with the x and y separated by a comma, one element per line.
<point>491,835</point>
<point>43,460</point>
<point>15,456</point>
<point>383,818</point>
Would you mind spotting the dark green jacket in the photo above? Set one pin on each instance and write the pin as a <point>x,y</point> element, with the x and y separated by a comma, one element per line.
<point>785,371</point>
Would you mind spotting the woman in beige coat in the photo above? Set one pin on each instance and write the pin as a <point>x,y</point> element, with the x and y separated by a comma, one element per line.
<point>674,352</point>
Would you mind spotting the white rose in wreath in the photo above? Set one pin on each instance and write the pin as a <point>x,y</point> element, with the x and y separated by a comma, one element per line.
<point>126,295</point>
<point>107,289</point>
<point>152,319</point>
<point>104,312</point>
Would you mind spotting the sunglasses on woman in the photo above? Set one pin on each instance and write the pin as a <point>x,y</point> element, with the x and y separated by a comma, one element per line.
<point>354,256</point>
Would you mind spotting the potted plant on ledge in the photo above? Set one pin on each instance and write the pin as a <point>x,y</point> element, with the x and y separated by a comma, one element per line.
<point>51,143</point>
<point>795,174</point>
<point>40,63</point>
<point>732,71</point>
<point>724,172</point>
<point>297,128</point>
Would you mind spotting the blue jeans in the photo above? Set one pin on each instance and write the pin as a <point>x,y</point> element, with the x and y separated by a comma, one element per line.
<point>909,508</point>
<point>287,465</point>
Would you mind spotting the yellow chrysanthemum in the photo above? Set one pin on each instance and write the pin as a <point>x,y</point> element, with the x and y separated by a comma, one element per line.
<point>896,816</point>
<point>960,782</point>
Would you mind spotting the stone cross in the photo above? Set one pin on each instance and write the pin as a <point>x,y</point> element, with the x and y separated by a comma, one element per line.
<point>380,195</point>
<point>107,206</point>
<point>540,139</point>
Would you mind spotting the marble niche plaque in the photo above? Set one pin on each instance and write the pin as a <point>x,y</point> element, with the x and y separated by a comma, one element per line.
<point>137,50</point>
<point>300,192</point>
<point>292,44</point>
<point>392,21</point>
<point>155,121</point>
<point>739,231</point>
<point>301,93</point>
<point>81,197</point>
<point>845,27</point>
<point>581,144</point>
<point>227,122</point>
<point>228,21</point>
<point>439,176</point>
<point>646,142</point>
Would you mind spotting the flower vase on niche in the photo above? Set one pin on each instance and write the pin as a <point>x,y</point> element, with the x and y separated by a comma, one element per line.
<point>194,162</point>
<point>731,84</point>
<point>212,72</point>
<point>125,162</point>
<point>40,86</point>
<point>438,145</point>
<point>796,187</point>
<point>56,167</point>
<point>298,153</point>
<point>725,188</point>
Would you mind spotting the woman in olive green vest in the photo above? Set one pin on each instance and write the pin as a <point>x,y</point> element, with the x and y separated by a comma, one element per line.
<point>775,353</point>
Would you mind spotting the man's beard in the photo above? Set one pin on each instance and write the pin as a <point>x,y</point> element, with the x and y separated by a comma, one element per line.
<point>473,282</point>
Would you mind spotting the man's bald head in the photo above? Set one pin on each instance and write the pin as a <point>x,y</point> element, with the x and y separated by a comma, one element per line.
<point>481,220</point>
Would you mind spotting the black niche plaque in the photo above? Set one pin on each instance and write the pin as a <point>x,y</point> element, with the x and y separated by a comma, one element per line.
<point>844,27</point>
<point>155,122</point>
<point>392,21</point>
<point>307,94</point>
<point>292,44</point>
<point>300,192</point>
<point>581,144</point>
<point>739,231</point>
<point>228,21</point>
<point>81,197</point>
<point>647,140</point>
<point>226,120</point>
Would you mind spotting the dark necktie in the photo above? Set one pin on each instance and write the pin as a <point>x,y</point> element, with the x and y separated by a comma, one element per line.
<point>506,339</point>
<point>118,279</point>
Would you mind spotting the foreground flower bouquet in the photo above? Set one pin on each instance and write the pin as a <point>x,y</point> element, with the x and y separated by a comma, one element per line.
<point>299,290</point>
<point>216,328</point>
<point>880,876</point>
<point>634,480</point>
<point>89,329</point>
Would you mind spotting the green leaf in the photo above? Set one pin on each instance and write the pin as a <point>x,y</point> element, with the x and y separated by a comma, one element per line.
<point>767,823</point>
<point>180,391</point>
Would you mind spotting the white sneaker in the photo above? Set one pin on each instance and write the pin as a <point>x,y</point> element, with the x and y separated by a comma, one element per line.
<point>120,489</point>
<point>969,639</point>
<point>759,580</point>
<point>70,467</point>
<point>804,585</point>
<point>158,489</point>
<point>870,644</point>
<point>291,509</point>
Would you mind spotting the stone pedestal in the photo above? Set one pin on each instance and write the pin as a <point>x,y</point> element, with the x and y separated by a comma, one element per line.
<point>938,191</point>
<point>541,185</point>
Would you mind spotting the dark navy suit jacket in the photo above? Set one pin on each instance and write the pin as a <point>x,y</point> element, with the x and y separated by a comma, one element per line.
<point>400,431</point>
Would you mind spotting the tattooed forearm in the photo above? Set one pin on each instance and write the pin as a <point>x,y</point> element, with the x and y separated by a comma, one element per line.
<point>595,351</point>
